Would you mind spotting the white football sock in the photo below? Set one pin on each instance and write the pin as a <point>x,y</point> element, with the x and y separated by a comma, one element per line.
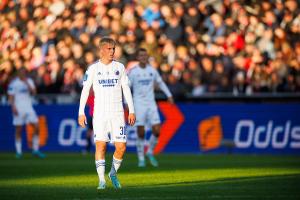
<point>35,143</point>
<point>100,166</point>
<point>116,163</point>
<point>18,145</point>
<point>140,148</point>
<point>152,144</point>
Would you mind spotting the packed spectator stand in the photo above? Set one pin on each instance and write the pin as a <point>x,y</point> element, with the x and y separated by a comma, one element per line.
<point>199,47</point>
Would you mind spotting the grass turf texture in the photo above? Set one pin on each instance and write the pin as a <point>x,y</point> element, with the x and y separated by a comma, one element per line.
<point>73,176</point>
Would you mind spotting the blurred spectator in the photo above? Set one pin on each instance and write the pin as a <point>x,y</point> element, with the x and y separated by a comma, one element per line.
<point>198,46</point>
<point>174,30</point>
<point>240,85</point>
<point>152,16</point>
<point>198,88</point>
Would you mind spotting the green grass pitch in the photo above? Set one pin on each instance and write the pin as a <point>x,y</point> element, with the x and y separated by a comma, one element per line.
<point>179,176</point>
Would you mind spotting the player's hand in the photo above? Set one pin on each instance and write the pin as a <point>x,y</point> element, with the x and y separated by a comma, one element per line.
<point>82,120</point>
<point>171,100</point>
<point>131,119</point>
<point>14,110</point>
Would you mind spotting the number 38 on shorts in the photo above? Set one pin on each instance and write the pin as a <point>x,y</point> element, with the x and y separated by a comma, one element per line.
<point>111,129</point>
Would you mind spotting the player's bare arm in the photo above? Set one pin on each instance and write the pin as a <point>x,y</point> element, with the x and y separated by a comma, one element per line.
<point>31,89</point>
<point>11,100</point>
<point>87,83</point>
<point>128,98</point>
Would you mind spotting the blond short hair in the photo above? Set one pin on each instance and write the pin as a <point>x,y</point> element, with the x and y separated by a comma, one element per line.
<point>107,40</point>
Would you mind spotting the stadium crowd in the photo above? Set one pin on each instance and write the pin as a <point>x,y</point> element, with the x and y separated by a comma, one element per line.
<point>199,46</point>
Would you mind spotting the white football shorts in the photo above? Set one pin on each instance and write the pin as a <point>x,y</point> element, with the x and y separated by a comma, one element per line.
<point>110,128</point>
<point>147,115</point>
<point>25,117</point>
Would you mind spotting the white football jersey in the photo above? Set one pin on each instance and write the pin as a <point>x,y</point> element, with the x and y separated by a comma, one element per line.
<point>108,82</point>
<point>143,81</point>
<point>21,93</point>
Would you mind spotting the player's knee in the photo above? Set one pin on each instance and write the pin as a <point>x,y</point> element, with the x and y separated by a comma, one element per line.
<point>36,131</point>
<point>156,131</point>
<point>35,128</point>
<point>18,130</point>
<point>141,131</point>
<point>141,135</point>
<point>121,149</point>
<point>100,148</point>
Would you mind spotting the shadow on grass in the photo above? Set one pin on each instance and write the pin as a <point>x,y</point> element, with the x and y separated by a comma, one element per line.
<point>269,187</point>
<point>75,164</point>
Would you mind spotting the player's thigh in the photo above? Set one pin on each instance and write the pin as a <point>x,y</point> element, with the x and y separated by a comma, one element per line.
<point>101,129</point>
<point>18,131</point>
<point>153,115</point>
<point>141,115</point>
<point>118,129</point>
<point>156,129</point>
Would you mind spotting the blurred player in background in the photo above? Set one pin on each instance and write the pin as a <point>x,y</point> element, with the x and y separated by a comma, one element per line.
<point>109,80</point>
<point>143,78</point>
<point>20,90</point>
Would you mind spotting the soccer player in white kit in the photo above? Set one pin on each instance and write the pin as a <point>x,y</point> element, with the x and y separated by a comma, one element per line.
<point>143,79</point>
<point>109,80</point>
<point>20,90</point>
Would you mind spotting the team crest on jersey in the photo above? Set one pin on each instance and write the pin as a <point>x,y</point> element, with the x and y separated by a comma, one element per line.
<point>151,74</point>
<point>117,72</point>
